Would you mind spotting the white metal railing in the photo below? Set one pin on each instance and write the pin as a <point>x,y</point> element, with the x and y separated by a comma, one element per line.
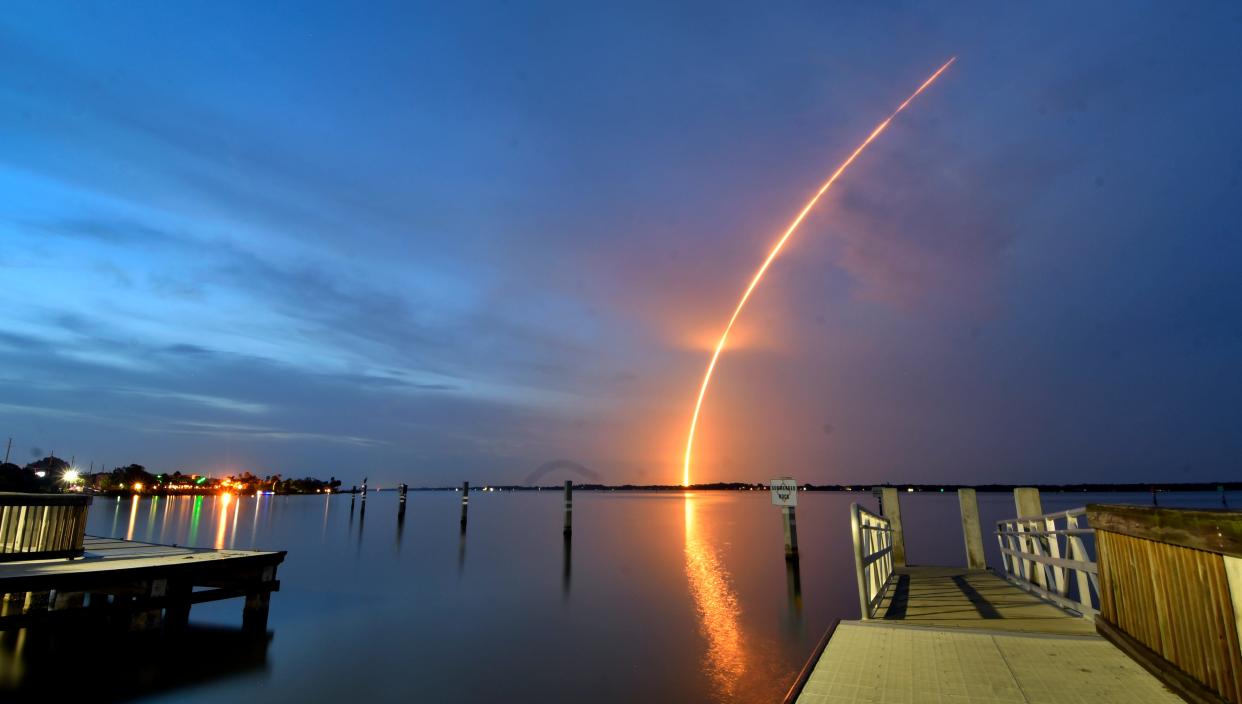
<point>1042,553</point>
<point>873,557</point>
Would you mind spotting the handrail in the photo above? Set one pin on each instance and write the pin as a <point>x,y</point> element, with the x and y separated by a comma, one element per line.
<point>41,526</point>
<point>873,557</point>
<point>1039,553</point>
<point>13,498</point>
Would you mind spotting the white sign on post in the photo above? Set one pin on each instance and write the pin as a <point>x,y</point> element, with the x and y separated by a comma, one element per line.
<point>784,492</point>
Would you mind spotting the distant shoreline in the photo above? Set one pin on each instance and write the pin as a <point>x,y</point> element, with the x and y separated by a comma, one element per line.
<point>1096,488</point>
<point>914,488</point>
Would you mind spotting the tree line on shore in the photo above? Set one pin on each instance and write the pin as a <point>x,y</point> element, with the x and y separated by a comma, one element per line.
<point>53,474</point>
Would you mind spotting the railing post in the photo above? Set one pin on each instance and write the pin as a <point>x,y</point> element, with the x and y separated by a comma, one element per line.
<point>1078,551</point>
<point>859,545</point>
<point>892,511</point>
<point>1054,550</point>
<point>971,532</point>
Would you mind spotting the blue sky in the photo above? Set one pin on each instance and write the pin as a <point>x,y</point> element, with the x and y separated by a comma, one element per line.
<point>431,243</point>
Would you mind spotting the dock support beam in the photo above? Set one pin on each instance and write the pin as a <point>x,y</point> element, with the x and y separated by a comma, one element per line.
<point>971,532</point>
<point>890,503</point>
<point>569,507</point>
<point>254,614</point>
<point>791,533</point>
<point>465,503</point>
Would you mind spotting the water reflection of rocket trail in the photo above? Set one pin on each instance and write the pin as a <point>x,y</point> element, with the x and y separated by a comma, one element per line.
<point>717,607</point>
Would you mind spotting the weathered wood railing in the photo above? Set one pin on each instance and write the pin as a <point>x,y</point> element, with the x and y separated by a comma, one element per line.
<point>1171,592</point>
<point>1042,553</point>
<point>41,526</point>
<point>873,557</point>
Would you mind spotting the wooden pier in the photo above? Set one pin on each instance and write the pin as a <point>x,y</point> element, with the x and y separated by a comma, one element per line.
<point>1144,623</point>
<point>54,574</point>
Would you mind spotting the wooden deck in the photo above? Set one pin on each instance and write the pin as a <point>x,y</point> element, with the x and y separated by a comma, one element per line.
<point>157,583</point>
<point>958,635</point>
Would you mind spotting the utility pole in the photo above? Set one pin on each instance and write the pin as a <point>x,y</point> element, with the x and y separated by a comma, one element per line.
<point>6,451</point>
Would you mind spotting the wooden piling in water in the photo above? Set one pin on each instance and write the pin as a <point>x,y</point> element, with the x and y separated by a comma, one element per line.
<point>971,532</point>
<point>569,507</point>
<point>890,507</point>
<point>465,502</point>
<point>1026,501</point>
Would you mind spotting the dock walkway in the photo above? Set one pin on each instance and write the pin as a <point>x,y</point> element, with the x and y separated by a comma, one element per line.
<point>958,635</point>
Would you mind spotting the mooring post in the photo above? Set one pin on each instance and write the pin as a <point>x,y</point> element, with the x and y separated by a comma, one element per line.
<point>890,508</point>
<point>465,502</point>
<point>403,488</point>
<point>791,532</point>
<point>971,532</point>
<point>569,507</point>
<point>1026,502</point>
<point>364,488</point>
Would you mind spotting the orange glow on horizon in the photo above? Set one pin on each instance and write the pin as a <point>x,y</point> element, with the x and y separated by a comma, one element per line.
<point>780,243</point>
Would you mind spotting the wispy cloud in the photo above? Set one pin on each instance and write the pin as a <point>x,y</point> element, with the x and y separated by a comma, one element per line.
<point>235,430</point>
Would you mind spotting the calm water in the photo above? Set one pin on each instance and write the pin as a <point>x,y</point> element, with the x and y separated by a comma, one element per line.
<point>659,597</point>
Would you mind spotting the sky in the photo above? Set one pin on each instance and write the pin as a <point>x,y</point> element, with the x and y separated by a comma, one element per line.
<point>435,242</point>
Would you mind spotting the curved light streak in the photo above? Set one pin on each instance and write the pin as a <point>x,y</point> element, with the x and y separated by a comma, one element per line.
<point>763,268</point>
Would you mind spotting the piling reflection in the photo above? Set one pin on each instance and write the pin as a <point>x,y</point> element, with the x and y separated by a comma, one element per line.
<point>33,666</point>
<point>717,606</point>
<point>568,567</point>
<point>793,581</point>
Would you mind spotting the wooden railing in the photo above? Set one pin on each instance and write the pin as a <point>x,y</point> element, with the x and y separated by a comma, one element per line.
<point>41,526</point>
<point>1042,553</point>
<point>873,557</point>
<point>1170,588</point>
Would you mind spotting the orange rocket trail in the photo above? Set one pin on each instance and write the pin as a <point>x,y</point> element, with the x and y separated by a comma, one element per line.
<point>763,268</point>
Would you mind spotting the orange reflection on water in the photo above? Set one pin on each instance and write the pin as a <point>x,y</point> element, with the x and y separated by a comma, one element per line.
<point>717,607</point>
<point>133,514</point>
<point>225,500</point>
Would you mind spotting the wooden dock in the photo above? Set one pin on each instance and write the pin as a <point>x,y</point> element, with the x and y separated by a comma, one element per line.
<point>51,573</point>
<point>958,635</point>
<point>1052,625</point>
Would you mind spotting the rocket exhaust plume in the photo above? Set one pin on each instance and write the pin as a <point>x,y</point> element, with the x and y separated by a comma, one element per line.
<point>776,249</point>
